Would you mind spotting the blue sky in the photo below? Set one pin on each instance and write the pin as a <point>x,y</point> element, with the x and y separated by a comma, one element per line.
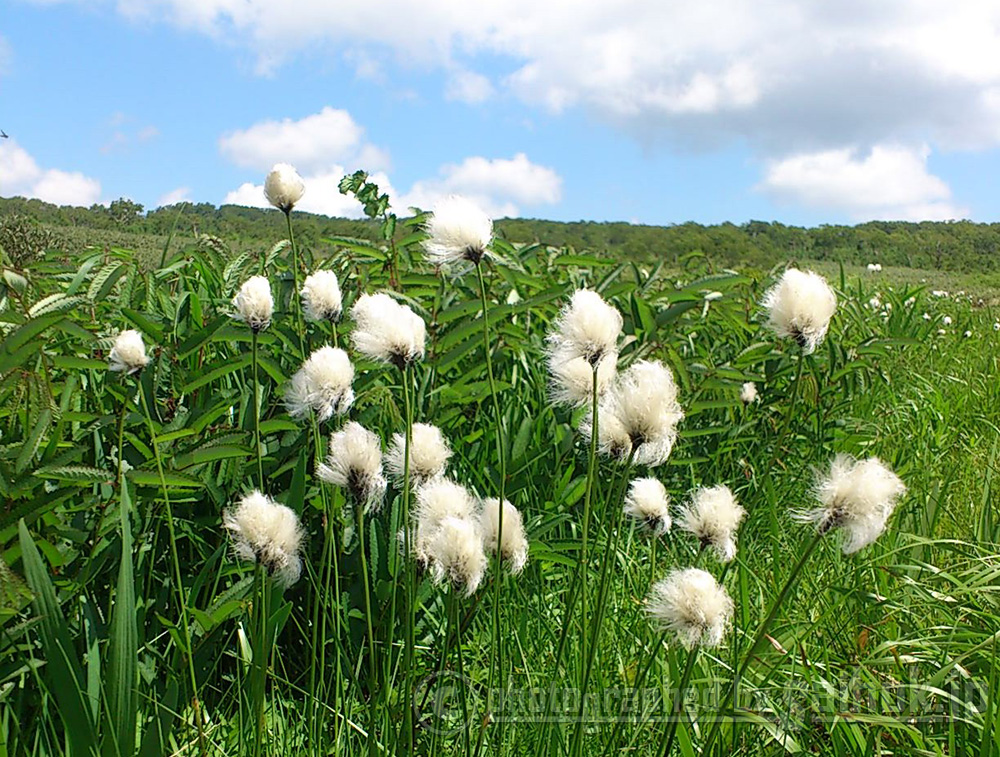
<point>802,112</point>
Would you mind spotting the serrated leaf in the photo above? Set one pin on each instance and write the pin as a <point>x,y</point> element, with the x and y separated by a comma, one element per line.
<point>78,474</point>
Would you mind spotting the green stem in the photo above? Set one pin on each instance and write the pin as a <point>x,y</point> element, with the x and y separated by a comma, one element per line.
<point>786,423</point>
<point>297,306</point>
<point>256,413</point>
<point>453,600</point>
<point>408,572</point>
<point>761,633</point>
<point>496,642</point>
<point>585,568</point>
<point>676,705</point>
<point>637,684</point>
<point>359,519</point>
<point>258,686</point>
<point>181,601</point>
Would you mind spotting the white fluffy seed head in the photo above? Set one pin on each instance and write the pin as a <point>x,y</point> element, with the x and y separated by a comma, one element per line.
<point>587,327</point>
<point>456,554</point>
<point>800,307</point>
<point>748,393</point>
<point>572,377</point>
<point>437,499</point>
<point>254,303</point>
<point>128,354</point>
<point>459,231</point>
<point>513,542</point>
<point>355,463</point>
<point>429,454</point>
<point>322,384</point>
<point>387,331</point>
<point>640,412</point>
<point>321,298</point>
<point>263,530</point>
<point>714,515</point>
<point>647,501</point>
<point>856,496</point>
<point>283,187</point>
<point>690,603</point>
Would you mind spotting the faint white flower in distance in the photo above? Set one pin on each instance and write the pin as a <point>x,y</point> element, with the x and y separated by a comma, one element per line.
<point>429,454</point>
<point>387,331</point>
<point>321,298</point>
<point>692,604</point>
<point>647,501</point>
<point>946,320</point>
<point>800,307</point>
<point>857,496</point>
<point>714,515</point>
<point>283,187</point>
<point>322,384</point>
<point>265,531</point>
<point>748,392</point>
<point>513,542</point>
<point>128,354</point>
<point>459,230</point>
<point>355,463</point>
<point>254,303</point>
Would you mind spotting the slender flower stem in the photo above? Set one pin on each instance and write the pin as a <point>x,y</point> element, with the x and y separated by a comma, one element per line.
<point>258,685</point>
<point>359,520</point>
<point>256,413</point>
<point>676,706</point>
<point>786,423</point>
<point>453,601</point>
<point>496,642</point>
<point>408,571</point>
<point>761,633</point>
<point>636,685</point>
<point>181,600</point>
<point>297,305</point>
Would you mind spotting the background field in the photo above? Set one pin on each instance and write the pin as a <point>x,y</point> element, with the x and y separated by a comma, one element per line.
<point>891,651</point>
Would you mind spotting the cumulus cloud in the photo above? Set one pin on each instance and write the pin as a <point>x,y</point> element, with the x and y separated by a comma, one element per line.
<point>468,87</point>
<point>313,143</point>
<point>20,175</point>
<point>174,196</point>
<point>890,182</point>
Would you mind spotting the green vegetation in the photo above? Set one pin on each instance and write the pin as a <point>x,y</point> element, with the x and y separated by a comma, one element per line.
<point>893,650</point>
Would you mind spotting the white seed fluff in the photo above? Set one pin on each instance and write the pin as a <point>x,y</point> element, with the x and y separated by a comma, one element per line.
<point>128,354</point>
<point>322,384</point>
<point>438,499</point>
<point>572,377</point>
<point>587,327</point>
<point>714,515</point>
<point>266,531</point>
<point>640,412</point>
<point>429,454</point>
<point>513,542</point>
<point>254,303</point>
<point>647,501</point>
<point>355,463</point>
<point>457,556</point>
<point>856,496</point>
<point>692,604</point>
<point>748,393</point>
<point>800,307</point>
<point>283,187</point>
<point>387,331</point>
<point>321,298</point>
<point>459,231</point>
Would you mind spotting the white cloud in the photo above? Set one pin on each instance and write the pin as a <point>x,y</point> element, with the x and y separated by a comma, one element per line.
<point>322,194</point>
<point>174,196</point>
<point>20,175</point>
<point>468,87</point>
<point>891,182</point>
<point>313,143</point>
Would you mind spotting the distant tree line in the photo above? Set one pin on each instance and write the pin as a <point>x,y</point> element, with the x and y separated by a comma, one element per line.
<point>952,245</point>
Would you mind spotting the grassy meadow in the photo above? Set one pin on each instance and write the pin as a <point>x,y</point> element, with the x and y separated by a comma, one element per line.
<point>128,626</point>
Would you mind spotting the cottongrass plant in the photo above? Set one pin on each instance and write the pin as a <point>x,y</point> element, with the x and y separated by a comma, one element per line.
<point>283,188</point>
<point>748,393</point>
<point>322,385</point>
<point>510,546</point>
<point>437,500</point>
<point>269,535</point>
<point>255,307</point>
<point>714,516</point>
<point>428,458</point>
<point>128,353</point>
<point>648,503</point>
<point>800,307</point>
<point>321,297</point>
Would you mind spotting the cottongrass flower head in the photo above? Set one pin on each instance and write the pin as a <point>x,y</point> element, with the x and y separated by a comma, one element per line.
<point>354,463</point>
<point>254,303</point>
<point>856,496</point>
<point>322,384</point>
<point>321,298</point>
<point>283,187</point>
<point>800,307</point>
<point>587,327</point>
<point>437,499</point>
<point>691,603</point>
<point>572,377</point>
<point>714,515</point>
<point>639,415</point>
<point>647,501</point>
<point>429,454</point>
<point>748,393</point>
<point>128,353</point>
<point>513,542</point>
<point>264,531</point>
<point>459,231</point>
<point>456,554</point>
<point>387,331</point>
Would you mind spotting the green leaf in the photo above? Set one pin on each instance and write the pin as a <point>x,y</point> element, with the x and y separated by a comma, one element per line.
<point>30,446</point>
<point>55,303</point>
<point>172,480</point>
<point>215,375</point>
<point>83,475</point>
<point>64,673</point>
<point>210,454</point>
